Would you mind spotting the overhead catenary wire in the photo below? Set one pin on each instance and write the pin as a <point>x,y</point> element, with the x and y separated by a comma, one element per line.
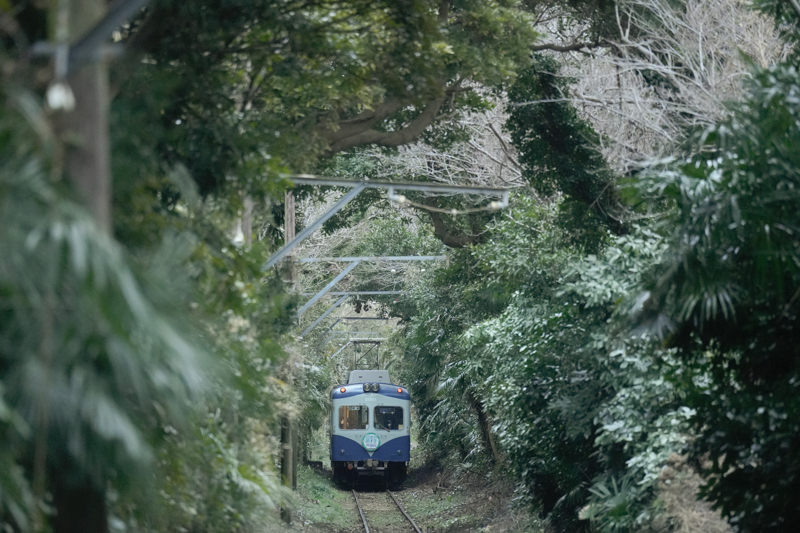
<point>454,212</point>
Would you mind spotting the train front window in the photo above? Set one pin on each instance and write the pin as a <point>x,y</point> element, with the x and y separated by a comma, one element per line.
<point>390,418</point>
<point>353,417</point>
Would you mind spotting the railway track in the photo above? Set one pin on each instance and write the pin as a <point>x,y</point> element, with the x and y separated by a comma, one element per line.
<point>374,499</point>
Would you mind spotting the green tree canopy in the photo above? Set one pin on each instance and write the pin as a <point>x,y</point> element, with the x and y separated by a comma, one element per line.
<point>726,296</point>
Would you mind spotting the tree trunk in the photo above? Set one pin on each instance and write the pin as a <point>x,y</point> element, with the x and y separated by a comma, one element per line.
<point>247,221</point>
<point>85,130</point>
<point>485,425</point>
<point>80,508</point>
<point>295,454</point>
<point>440,230</point>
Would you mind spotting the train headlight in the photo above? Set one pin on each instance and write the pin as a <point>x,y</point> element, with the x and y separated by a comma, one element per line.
<point>375,387</point>
<point>366,387</point>
<point>342,389</point>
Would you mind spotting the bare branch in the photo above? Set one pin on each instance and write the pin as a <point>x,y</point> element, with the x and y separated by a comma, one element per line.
<point>486,159</point>
<point>574,47</point>
<point>506,149</point>
<point>674,73</point>
<point>444,10</point>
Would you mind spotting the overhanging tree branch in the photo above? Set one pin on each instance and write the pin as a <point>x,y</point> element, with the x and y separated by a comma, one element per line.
<point>364,134</point>
<point>359,131</point>
<point>362,122</point>
<point>574,47</point>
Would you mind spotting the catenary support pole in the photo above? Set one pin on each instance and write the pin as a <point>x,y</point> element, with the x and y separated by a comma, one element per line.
<point>287,456</point>
<point>288,444</point>
<point>289,225</point>
<point>295,453</point>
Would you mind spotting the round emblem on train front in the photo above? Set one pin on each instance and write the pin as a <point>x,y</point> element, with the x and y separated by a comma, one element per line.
<point>370,442</point>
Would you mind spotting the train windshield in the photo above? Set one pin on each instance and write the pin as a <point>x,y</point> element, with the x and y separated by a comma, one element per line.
<point>353,417</point>
<point>390,418</point>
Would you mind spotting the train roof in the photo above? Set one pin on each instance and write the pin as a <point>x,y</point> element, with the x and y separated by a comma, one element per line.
<point>369,376</point>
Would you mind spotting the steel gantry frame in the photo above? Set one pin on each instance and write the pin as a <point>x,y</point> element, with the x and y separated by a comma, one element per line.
<point>354,262</point>
<point>355,293</point>
<point>325,341</point>
<point>329,335</point>
<point>358,341</point>
<point>340,301</point>
<point>356,357</point>
<point>327,287</point>
<point>373,258</point>
<point>356,187</point>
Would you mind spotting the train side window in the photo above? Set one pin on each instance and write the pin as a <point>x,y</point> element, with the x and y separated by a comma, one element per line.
<point>389,418</point>
<point>353,417</point>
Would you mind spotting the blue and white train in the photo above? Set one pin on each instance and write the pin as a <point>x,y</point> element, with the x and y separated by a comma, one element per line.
<point>370,428</point>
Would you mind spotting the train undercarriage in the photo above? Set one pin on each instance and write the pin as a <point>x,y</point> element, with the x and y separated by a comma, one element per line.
<point>346,473</point>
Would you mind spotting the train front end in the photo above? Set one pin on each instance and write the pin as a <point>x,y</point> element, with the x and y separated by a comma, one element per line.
<point>370,428</point>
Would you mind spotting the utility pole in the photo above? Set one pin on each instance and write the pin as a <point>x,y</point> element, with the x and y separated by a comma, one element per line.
<point>288,429</point>
<point>83,132</point>
<point>294,279</point>
<point>84,129</point>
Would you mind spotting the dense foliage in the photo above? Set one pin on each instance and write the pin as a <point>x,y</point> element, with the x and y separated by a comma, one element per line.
<point>211,103</point>
<point>98,357</point>
<point>725,296</point>
<point>527,337</point>
<point>564,345</point>
<point>243,86</point>
<point>559,152</point>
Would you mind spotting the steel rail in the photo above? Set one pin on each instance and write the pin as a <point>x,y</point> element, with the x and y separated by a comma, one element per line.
<point>361,512</point>
<point>396,502</point>
<point>411,520</point>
